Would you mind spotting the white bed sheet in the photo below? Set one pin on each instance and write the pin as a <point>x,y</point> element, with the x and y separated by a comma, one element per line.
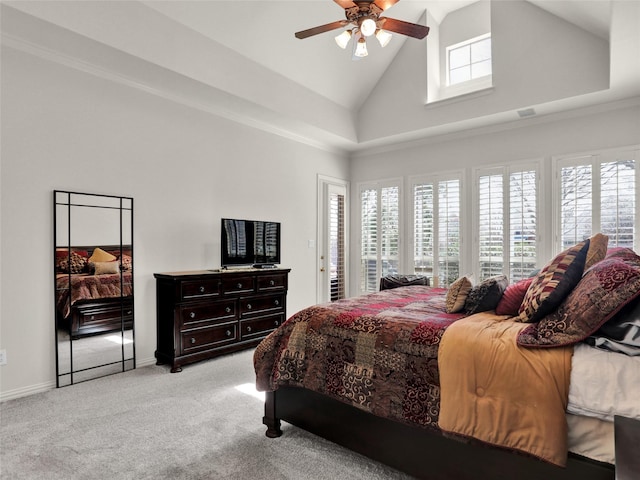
<point>604,384</point>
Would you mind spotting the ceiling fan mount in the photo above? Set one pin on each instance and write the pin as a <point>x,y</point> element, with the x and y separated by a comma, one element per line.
<point>364,16</point>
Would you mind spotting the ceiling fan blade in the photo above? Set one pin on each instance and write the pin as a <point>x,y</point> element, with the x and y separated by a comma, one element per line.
<point>321,29</point>
<point>345,3</point>
<point>384,4</point>
<point>405,28</point>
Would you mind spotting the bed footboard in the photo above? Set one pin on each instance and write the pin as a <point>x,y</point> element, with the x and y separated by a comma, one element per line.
<point>423,453</point>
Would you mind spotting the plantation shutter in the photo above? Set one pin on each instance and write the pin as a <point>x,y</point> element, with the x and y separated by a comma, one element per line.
<point>390,223</point>
<point>436,231</point>
<point>617,201</point>
<point>380,234</point>
<point>522,224</point>
<point>368,240</point>
<point>598,194</point>
<point>423,231</point>
<point>491,225</point>
<point>576,204</point>
<point>337,246</point>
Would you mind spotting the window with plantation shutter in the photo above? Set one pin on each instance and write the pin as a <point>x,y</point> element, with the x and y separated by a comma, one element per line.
<point>491,225</point>
<point>522,224</point>
<point>597,193</point>
<point>507,222</point>
<point>380,234</point>
<point>436,230</point>
<point>337,246</point>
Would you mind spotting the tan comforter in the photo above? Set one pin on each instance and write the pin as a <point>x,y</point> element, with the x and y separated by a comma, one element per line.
<point>500,393</point>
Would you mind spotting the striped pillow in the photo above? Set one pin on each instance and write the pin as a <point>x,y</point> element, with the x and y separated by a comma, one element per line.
<point>553,283</point>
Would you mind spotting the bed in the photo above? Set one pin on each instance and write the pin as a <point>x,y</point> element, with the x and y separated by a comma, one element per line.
<point>93,289</point>
<point>492,390</point>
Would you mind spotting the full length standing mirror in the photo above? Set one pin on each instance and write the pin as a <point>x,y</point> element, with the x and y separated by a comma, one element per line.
<point>93,285</point>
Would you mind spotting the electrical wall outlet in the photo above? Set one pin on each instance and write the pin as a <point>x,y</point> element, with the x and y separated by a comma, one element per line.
<point>3,357</point>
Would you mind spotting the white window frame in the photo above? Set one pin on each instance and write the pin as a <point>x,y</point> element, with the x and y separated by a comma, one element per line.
<point>459,45</point>
<point>505,171</point>
<point>378,185</point>
<point>595,159</point>
<point>435,180</point>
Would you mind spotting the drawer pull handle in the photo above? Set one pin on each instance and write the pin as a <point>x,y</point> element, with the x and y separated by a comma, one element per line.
<point>239,285</point>
<point>248,329</point>
<point>228,332</point>
<point>276,303</point>
<point>228,309</point>
<point>276,323</point>
<point>272,283</point>
<point>201,289</point>
<point>129,312</point>
<point>193,340</point>
<point>192,315</point>
<point>249,306</point>
<point>92,317</point>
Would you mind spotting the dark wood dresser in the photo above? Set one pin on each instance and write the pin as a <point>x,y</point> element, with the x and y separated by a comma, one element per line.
<point>203,314</point>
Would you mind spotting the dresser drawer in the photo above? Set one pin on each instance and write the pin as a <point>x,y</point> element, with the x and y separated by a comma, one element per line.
<point>207,338</point>
<point>252,306</point>
<point>190,290</point>
<point>260,327</point>
<point>268,283</point>
<point>238,285</point>
<point>191,315</point>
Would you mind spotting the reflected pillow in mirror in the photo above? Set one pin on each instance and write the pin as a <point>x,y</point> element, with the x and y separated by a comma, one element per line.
<point>100,255</point>
<point>102,268</point>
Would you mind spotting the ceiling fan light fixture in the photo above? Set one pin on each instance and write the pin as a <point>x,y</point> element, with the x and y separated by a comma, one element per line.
<point>383,37</point>
<point>361,48</point>
<point>368,26</point>
<point>343,39</point>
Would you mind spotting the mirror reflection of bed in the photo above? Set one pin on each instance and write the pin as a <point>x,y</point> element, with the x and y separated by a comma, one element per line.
<point>93,284</point>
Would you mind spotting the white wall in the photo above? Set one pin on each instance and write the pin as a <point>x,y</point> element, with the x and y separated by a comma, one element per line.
<point>66,129</point>
<point>525,73</point>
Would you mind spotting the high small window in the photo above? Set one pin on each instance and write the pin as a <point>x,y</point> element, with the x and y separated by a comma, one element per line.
<point>469,60</point>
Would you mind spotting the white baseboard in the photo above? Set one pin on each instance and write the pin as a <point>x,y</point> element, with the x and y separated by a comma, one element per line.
<point>43,387</point>
<point>25,391</point>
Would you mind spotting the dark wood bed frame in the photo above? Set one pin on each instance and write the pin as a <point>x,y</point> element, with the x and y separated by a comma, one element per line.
<point>420,452</point>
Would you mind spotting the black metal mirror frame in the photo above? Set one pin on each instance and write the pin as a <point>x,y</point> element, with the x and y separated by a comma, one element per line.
<point>80,370</point>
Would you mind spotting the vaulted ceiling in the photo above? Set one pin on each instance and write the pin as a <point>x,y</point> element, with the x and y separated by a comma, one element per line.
<point>240,58</point>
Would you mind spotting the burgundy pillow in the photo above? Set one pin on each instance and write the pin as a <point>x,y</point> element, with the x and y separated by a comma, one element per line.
<point>512,297</point>
<point>605,289</point>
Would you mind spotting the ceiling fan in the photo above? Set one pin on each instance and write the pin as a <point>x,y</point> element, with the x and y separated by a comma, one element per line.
<point>363,20</point>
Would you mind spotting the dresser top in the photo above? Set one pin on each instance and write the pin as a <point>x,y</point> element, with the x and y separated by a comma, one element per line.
<point>220,271</point>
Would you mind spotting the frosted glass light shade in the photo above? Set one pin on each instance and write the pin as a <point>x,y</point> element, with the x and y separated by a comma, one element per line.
<point>361,48</point>
<point>343,39</point>
<point>383,37</point>
<point>368,27</point>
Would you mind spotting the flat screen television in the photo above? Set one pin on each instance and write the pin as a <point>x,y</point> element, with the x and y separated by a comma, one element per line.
<point>254,243</point>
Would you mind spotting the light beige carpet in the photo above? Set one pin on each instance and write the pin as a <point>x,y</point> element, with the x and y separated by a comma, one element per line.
<point>152,424</point>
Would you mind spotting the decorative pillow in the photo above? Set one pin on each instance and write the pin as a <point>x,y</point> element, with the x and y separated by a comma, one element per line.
<point>100,255</point>
<point>126,262</point>
<point>512,297</point>
<point>73,263</point>
<point>457,294</point>
<point>553,283</point>
<point>102,268</point>
<point>622,332</point>
<point>605,289</point>
<point>486,295</point>
<point>597,250</point>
